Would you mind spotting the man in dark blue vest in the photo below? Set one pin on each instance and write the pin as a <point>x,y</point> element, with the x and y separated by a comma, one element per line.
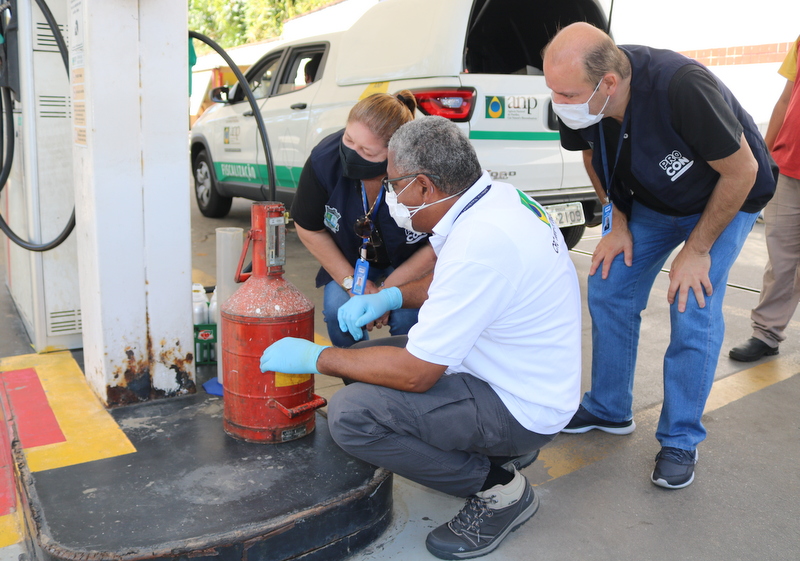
<point>675,160</point>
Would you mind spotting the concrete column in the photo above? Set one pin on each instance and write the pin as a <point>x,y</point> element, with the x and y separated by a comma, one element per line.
<point>129,77</point>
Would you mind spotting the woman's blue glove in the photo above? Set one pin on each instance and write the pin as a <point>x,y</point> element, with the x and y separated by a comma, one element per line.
<point>291,355</point>
<point>360,310</point>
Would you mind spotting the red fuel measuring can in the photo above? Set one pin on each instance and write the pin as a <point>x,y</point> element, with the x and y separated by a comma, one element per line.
<point>269,407</point>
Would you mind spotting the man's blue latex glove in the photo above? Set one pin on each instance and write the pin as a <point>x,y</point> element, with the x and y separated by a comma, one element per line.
<point>291,355</point>
<point>360,310</point>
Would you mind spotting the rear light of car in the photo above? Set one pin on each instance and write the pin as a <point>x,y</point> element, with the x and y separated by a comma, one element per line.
<point>455,104</point>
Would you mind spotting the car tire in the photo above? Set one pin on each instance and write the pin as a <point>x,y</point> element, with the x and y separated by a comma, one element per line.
<point>209,201</point>
<point>573,234</point>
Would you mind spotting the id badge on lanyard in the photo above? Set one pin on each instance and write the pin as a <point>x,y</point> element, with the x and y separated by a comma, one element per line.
<point>360,275</point>
<point>608,216</point>
<point>361,272</point>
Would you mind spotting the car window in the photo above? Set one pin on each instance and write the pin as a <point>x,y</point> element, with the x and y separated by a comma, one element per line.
<point>261,81</point>
<point>304,68</point>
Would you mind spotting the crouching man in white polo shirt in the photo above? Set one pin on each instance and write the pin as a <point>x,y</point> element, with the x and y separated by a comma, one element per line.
<point>491,370</point>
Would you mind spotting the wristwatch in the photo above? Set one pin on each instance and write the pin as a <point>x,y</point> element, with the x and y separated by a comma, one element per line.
<point>347,282</point>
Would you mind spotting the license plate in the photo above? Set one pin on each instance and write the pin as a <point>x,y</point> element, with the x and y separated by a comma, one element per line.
<point>567,214</point>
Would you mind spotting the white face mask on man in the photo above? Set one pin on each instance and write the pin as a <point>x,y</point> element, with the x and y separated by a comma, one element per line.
<point>576,115</point>
<point>401,213</point>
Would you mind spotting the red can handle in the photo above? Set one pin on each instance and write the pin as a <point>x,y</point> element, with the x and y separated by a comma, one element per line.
<point>315,403</point>
<point>241,277</point>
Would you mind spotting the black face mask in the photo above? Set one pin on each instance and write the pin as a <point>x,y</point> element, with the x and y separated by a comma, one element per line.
<point>356,167</point>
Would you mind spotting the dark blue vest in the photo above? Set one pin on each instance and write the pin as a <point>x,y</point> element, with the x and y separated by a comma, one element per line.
<point>660,159</point>
<point>345,206</point>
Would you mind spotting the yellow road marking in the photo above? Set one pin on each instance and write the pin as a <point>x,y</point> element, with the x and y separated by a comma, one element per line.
<point>203,278</point>
<point>322,340</point>
<point>91,432</point>
<point>569,453</point>
<point>748,381</point>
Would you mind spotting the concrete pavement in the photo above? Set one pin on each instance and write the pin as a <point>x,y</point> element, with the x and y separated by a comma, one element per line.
<point>597,499</point>
<point>597,502</point>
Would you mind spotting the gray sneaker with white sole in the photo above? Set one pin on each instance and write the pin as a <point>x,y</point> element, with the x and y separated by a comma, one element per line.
<point>478,528</point>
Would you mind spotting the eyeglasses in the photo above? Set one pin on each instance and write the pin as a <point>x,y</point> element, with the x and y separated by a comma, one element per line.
<point>388,183</point>
<point>366,230</point>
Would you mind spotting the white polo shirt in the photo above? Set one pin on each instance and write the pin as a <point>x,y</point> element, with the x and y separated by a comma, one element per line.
<point>504,305</point>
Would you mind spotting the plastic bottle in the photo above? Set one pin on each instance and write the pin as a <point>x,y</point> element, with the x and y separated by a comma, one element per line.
<point>212,308</point>
<point>199,304</point>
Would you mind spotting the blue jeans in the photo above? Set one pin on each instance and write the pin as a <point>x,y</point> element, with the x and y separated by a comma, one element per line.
<point>616,303</point>
<point>334,297</point>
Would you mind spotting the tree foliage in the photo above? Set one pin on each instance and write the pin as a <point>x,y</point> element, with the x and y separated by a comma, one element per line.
<point>235,22</point>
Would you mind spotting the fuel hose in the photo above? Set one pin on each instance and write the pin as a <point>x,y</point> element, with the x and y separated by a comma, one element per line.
<point>8,111</point>
<point>262,129</point>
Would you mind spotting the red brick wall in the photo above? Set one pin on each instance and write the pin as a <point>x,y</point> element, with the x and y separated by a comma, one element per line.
<point>746,54</point>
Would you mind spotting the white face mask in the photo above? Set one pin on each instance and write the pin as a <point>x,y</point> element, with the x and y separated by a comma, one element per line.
<point>576,115</point>
<point>401,213</point>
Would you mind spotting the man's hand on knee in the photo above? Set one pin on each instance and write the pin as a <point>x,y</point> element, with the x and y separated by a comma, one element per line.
<point>611,245</point>
<point>689,271</point>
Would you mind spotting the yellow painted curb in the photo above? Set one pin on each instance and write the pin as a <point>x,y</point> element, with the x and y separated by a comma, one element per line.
<point>10,529</point>
<point>91,432</point>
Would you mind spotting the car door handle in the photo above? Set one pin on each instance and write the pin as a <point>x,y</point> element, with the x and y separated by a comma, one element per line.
<point>247,114</point>
<point>299,106</point>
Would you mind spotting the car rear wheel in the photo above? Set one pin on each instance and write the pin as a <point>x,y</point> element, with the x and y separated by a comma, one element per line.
<point>573,234</point>
<point>209,201</point>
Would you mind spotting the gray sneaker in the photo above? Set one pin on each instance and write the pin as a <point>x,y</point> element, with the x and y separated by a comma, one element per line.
<point>674,468</point>
<point>583,421</point>
<point>478,528</point>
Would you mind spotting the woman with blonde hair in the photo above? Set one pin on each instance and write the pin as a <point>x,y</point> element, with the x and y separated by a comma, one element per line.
<point>341,216</point>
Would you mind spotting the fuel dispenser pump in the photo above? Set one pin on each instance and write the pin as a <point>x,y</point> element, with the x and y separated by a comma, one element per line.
<point>269,407</point>
<point>37,212</point>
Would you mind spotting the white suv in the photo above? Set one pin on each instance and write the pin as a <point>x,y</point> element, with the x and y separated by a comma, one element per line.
<point>476,62</point>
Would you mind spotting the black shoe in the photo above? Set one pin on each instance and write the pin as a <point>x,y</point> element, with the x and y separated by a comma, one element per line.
<point>509,463</point>
<point>752,350</point>
<point>674,468</point>
<point>583,421</point>
<point>479,528</point>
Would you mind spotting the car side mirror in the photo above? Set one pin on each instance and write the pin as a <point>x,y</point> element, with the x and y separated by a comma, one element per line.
<point>219,95</point>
